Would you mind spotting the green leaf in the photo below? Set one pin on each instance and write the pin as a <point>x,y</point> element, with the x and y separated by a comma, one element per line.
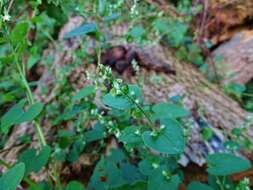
<point>33,59</point>
<point>198,186</point>
<point>106,175</point>
<point>12,178</point>
<point>95,134</point>
<point>117,102</point>
<point>109,173</point>
<point>68,114</point>
<point>84,92</point>
<point>130,173</point>
<point>235,89</point>
<point>130,136</point>
<point>31,113</point>
<point>40,186</point>
<point>82,30</point>
<point>111,17</point>
<point>207,133</point>
<point>74,185</point>
<point>161,25</point>
<point>141,185</point>
<point>231,145</point>
<point>116,155</point>
<point>177,33</point>
<point>222,164</point>
<point>11,116</point>
<point>33,161</point>
<point>136,32</point>
<point>7,59</point>
<point>237,132</point>
<point>137,93</point>
<point>19,32</point>
<point>159,181</point>
<point>164,110</point>
<point>169,141</point>
<point>76,150</point>
<point>16,115</point>
<point>145,167</point>
<point>66,138</point>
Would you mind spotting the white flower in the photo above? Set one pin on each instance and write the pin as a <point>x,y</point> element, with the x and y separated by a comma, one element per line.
<point>6,17</point>
<point>94,111</point>
<point>116,85</point>
<point>164,173</point>
<point>132,93</point>
<point>155,165</point>
<point>117,133</point>
<point>135,66</point>
<point>137,132</point>
<point>119,81</point>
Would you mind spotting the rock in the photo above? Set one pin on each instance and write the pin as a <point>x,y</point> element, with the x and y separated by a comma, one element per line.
<point>235,62</point>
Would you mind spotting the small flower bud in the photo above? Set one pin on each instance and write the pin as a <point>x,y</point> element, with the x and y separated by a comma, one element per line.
<point>155,165</point>
<point>137,132</point>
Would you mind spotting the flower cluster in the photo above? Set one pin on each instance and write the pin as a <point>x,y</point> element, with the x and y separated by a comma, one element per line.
<point>5,16</point>
<point>244,184</point>
<point>133,11</point>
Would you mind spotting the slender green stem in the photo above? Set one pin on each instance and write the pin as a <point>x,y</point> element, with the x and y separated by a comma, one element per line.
<point>31,101</point>
<point>57,178</point>
<point>21,72</point>
<point>125,94</point>
<point>141,110</point>
<point>32,184</point>
<point>40,133</point>
<point>151,124</point>
<point>247,94</point>
<point>220,184</point>
<point>10,5</point>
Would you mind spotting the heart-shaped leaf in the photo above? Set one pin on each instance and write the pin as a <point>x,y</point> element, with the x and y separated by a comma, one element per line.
<point>16,115</point>
<point>84,92</point>
<point>12,116</point>
<point>117,102</point>
<point>130,136</point>
<point>136,32</point>
<point>19,32</point>
<point>222,164</point>
<point>158,181</point>
<point>33,161</point>
<point>164,110</point>
<point>82,30</point>
<point>11,179</point>
<point>97,133</point>
<point>31,113</point>
<point>169,141</point>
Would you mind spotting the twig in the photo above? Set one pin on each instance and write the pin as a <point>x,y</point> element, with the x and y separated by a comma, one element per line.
<point>10,6</point>
<point>10,148</point>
